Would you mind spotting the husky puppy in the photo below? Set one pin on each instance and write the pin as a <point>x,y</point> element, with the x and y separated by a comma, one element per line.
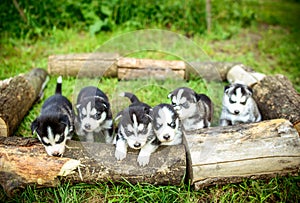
<point>166,125</point>
<point>195,110</point>
<point>135,130</point>
<point>238,106</point>
<point>94,117</point>
<point>55,124</point>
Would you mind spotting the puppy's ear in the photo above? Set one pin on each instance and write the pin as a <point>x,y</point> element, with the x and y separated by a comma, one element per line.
<point>170,95</point>
<point>78,106</point>
<point>249,90</point>
<point>34,126</point>
<point>226,88</point>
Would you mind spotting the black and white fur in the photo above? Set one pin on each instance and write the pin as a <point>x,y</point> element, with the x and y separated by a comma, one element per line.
<point>135,130</point>
<point>94,117</point>
<point>238,106</point>
<point>55,125</point>
<point>195,110</point>
<point>166,125</point>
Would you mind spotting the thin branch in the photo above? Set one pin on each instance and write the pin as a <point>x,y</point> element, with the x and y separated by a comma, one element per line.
<point>21,12</point>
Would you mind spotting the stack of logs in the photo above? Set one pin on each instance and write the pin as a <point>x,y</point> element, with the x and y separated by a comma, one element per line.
<point>215,155</point>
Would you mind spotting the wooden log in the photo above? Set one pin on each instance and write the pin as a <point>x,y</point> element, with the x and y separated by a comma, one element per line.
<point>17,95</point>
<point>276,98</point>
<point>132,68</point>
<point>25,163</point>
<point>84,65</point>
<point>229,154</point>
<point>241,74</point>
<point>111,65</point>
<point>210,71</point>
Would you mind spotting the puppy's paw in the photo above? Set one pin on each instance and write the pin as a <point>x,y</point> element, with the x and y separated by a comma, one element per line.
<point>143,160</point>
<point>120,155</point>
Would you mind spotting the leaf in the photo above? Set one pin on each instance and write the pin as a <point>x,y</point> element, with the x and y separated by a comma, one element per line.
<point>106,10</point>
<point>96,27</point>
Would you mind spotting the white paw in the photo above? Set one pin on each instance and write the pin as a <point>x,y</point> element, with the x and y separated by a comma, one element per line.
<point>120,155</point>
<point>143,160</point>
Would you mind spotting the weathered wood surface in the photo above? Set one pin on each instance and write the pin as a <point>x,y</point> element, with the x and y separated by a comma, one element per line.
<point>276,98</point>
<point>23,161</point>
<point>221,155</point>
<point>240,73</point>
<point>132,68</point>
<point>112,65</point>
<point>84,65</point>
<point>211,71</point>
<point>17,95</point>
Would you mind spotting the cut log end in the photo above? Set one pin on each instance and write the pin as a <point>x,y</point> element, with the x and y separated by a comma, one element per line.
<point>3,128</point>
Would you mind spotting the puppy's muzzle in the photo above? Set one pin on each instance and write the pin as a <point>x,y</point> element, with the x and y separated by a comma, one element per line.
<point>57,154</point>
<point>137,145</point>
<point>236,112</point>
<point>166,137</point>
<point>87,126</point>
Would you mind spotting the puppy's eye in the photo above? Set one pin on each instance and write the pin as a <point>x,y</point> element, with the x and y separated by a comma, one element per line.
<point>172,125</point>
<point>231,101</point>
<point>243,103</point>
<point>60,140</point>
<point>185,105</point>
<point>173,104</point>
<point>158,125</point>
<point>97,116</point>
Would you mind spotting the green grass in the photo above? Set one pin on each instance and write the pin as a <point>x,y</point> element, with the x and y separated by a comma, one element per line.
<point>270,44</point>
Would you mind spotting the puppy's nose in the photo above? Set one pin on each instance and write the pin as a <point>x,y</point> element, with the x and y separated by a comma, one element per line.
<point>137,145</point>
<point>56,154</point>
<point>87,126</point>
<point>236,111</point>
<point>166,137</point>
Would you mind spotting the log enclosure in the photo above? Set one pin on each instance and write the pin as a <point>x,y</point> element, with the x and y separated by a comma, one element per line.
<point>216,155</point>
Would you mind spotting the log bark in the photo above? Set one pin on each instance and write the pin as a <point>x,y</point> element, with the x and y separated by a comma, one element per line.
<point>17,95</point>
<point>220,155</point>
<point>84,65</point>
<point>240,73</point>
<point>23,162</point>
<point>132,68</point>
<point>210,71</point>
<point>111,65</point>
<point>276,98</point>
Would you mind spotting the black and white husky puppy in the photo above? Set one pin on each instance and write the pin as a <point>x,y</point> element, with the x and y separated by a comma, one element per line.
<point>94,118</point>
<point>166,125</point>
<point>195,110</point>
<point>135,130</point>
<point>238,106</point>
<point>55,125</point>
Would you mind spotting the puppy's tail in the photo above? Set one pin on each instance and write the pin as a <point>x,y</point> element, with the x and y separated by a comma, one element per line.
<point>58,85</point>
<point>130,96</point>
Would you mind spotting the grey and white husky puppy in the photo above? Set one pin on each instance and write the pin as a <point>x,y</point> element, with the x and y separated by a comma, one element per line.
<point>55,125</point>
<point>94,120</point>
<point>195,110</point>
<point>238,106</point>
<point>166,125</point>
<point>135,130</point>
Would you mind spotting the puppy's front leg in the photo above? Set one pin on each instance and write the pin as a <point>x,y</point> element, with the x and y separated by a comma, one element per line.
<point>145,153</point>
<point>121,149</point>
<point>224,122</point>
